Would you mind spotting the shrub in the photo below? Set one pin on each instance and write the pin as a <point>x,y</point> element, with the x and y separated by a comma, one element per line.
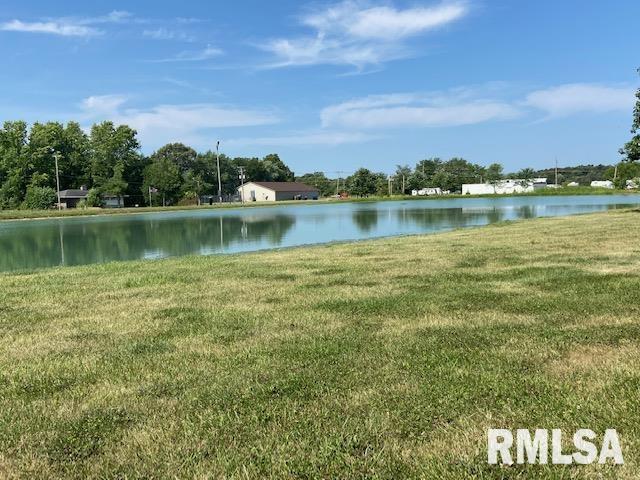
<point>39,198</point>
<point>93,198</point>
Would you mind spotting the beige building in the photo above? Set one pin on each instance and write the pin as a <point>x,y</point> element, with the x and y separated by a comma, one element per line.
<point>277,191</point>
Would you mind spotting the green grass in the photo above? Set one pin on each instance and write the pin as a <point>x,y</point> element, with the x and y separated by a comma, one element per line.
<point>39,214</point>
<point>381,359</point>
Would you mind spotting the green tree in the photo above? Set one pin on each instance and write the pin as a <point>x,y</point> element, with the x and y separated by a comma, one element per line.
<point>14,164</point>
<point>631,150</point>
<point>452,174</point>
<point>403,172</point>
<point>624,171</point>
<point>112,149</point>
<point>362,183</point>
<point>320,181</point>
<point>276,169</point>
<point>493,172</point>
<point>39,198</point>
<point>193,186</point>
<point>164,176</point>
<point>184,157</point>
<point>526,174</point>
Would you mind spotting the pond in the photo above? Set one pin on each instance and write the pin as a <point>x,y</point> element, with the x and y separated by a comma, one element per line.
<point>28,245</point>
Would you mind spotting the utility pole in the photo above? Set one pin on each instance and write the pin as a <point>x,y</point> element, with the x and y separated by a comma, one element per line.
<point>55,157</point>
<point>390,188</point>
<point>150,201</point>
<point>242,177</point>
<point>403,189</point>
<point>556,172</point>
<point>615,173</point>
<point>219,179</point>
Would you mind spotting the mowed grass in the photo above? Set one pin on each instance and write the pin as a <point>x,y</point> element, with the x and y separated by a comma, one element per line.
<point>381,359</point>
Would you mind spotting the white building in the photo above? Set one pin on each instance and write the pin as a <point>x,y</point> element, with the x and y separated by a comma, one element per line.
<point>602,184</point>
<point>427,192</point>
<point>504,187</point>
<point>277,191</point>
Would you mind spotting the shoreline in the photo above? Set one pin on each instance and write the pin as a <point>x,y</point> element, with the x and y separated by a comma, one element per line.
<point>26,215</point>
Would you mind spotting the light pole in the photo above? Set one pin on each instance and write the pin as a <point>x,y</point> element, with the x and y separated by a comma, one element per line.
<point>219,179</point>
<point>242,177</point>
<point>55,157</point>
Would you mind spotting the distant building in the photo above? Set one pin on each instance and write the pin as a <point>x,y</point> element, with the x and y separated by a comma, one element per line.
<point>602,184</point>
<point>573,184</point>
<point>277,191</point>
<point>504,187</point>
<point>427,192</point>
<point>70,198</point>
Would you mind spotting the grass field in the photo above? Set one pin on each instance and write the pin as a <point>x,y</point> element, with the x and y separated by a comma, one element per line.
<point>39,214</point>
<point>384,359</point>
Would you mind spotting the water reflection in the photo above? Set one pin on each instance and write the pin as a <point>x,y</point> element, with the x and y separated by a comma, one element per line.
<point>76,241</point>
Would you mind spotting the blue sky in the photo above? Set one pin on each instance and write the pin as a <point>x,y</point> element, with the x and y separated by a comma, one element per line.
<point>333,86</point>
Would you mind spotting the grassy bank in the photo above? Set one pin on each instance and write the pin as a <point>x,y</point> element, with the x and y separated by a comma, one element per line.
<point>387,358</point>
<point>40,214</point>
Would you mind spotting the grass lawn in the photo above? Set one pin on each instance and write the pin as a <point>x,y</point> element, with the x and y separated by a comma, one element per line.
<point>386,358</point>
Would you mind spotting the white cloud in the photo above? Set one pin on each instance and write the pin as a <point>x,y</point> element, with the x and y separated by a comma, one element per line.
<point>166,34</point>
<point>193,56</point>
<point>168,123</point>
<point>416,110</point>
<point>67,26</point>
<point>575,98</point>
<point>103,104</point>
<point>52,27</point>
<point>355,33</point>
<point>313,138</point>
<point>383,22</point>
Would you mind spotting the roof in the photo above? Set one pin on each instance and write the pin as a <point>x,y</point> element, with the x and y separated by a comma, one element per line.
<point>286,186</point>
<point>73,193</point>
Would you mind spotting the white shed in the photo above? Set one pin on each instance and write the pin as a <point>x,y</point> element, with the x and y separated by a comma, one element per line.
<point>277,191</point>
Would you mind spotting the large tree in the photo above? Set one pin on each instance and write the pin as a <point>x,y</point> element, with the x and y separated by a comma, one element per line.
<point>362,183</point>
<point>631,150</point>
<point>113,150</point>
<point>163,176</point>
<point>320,181</point>
<point>14,164</point>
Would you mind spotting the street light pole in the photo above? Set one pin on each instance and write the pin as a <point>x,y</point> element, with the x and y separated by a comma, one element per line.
<point>241,184</point>
<point>219,179</point>
<point>55,157</point>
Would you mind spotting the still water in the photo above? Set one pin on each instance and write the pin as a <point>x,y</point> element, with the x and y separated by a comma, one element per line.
<point>27,245</point>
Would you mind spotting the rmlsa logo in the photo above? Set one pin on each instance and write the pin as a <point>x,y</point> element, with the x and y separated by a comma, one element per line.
<point>528,449</point>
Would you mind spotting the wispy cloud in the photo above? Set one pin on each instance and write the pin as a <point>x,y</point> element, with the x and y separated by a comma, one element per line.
<point>193,56</point>
<point>570,99</point>
<point>67,26</point>
<point>416,110</point>
<point>161,124</point>
<point>52,28</point>
<point>360,34</point>
<point>103,104</point>
<point>167,34</point>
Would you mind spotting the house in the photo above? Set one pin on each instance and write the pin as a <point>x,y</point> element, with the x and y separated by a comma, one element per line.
<point>602,184</point>
<point>573,184</point>
<point>277,191</point>
<point>70,198</point>
<point>504,187</point>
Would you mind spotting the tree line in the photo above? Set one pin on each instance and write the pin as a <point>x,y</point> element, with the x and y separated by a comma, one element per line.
<point>108,161</point>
